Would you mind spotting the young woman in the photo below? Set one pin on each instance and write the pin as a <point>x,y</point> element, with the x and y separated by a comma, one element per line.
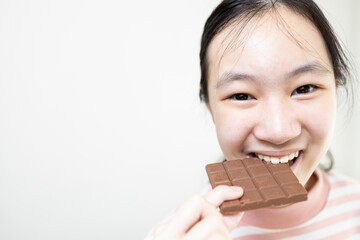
<point>270,71</point>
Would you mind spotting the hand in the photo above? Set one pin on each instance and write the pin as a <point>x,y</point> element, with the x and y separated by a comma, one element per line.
<point>199,217</point>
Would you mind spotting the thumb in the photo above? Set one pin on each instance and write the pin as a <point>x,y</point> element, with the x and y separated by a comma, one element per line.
<point>232,221</point>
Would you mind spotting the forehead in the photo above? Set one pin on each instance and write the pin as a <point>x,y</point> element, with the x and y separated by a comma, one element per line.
<point>271,42</point>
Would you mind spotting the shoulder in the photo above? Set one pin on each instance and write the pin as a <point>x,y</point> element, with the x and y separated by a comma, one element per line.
<point>343,189</point>
<point>337,179</point>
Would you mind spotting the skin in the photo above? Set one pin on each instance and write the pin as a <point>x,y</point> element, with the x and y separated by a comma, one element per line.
<point>271,91</point>
<point>288,105</point>
<point>198,217</point>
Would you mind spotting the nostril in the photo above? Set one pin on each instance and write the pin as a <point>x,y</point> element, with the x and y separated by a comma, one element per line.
<point>277,124</point>
<point>277,133</point>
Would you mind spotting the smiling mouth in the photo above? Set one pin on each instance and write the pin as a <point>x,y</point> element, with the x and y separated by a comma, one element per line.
<point>289,159</point>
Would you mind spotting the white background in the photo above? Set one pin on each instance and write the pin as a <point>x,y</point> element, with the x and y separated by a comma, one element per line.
<point>100,118</point>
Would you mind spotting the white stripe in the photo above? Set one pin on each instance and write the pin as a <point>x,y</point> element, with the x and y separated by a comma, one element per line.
<point>325,214</point>
<point>334,178</point>
<point>345,190</point>
<point>336,210</point>
<point>355,237</point>
<point>338,177</point>
<point>251,230</point>
<point>329,230</point>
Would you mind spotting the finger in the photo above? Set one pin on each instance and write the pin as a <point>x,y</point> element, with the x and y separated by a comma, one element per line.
<point>159,229</point>
<point>222,193</point>
<point>232,221</point>
<point>211,227</point>
<point>189,213</point>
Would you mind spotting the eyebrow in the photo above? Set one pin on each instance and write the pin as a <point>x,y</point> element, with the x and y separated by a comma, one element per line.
<point>231,76</point>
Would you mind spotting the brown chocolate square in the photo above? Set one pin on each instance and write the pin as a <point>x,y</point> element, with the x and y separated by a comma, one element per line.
<point>265,184</point>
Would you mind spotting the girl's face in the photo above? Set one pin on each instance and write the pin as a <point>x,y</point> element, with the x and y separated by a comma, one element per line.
<point>272,91</point>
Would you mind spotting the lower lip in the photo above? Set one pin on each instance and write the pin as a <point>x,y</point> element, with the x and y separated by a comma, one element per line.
<point>299,158</point>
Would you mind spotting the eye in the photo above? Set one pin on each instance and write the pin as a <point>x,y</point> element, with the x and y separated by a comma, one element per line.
<point>241,97</point>
<point>305,89</point>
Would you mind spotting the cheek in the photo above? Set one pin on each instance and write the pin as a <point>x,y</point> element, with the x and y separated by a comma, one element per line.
<point>320,123</point>
<point>317,130</point>
<point>232,129</point>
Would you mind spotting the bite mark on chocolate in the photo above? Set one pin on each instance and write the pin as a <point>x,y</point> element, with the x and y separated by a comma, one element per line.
<point>264,184</point>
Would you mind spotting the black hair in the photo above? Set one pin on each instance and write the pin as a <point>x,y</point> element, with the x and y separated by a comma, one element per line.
<point>229,11</point>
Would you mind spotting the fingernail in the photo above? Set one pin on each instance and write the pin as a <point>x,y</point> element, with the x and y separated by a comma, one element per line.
<point>237,189</point>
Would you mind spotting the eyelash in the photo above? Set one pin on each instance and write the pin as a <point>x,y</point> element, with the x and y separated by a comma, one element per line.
<point>305,89</point>
<point>240,96</point>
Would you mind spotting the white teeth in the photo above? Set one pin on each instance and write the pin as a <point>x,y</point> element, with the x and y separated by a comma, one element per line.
<point>284,159</point>
<point>276,160</point>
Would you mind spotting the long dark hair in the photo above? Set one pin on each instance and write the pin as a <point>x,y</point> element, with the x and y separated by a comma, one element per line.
<point>229,11</point>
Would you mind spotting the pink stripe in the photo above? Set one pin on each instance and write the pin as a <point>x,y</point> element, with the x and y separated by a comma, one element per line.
<point>341,235</point>
<point>342,183</point>
<point>342,200</point>
<point>304,230</point>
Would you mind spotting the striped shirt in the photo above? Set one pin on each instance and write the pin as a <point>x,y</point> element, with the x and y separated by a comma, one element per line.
<point>332,211</point>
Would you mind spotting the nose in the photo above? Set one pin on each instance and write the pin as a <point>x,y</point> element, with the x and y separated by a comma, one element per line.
<point>278,122</point>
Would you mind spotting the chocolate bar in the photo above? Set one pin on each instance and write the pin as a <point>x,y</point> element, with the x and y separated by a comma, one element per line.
<point>265,184</point>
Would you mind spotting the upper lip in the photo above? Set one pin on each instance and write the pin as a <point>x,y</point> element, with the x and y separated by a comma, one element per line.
<point>276,153</point>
